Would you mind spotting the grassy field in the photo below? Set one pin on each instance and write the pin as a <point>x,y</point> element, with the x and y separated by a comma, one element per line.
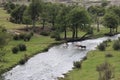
<point>95,58</point>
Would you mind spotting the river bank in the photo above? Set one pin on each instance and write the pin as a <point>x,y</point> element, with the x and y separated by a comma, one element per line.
<point>55,62</point>
<point>95,58</point>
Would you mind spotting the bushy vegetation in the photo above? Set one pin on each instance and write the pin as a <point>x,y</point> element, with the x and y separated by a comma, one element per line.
<point>101,47</point>
<point>15,50</point>
<point>108,55</point>
<point>20,47</point>
<point>25,37</point>
<point>116,45</point>
<point>77,64</point>
<point>105,71</point>
<point>44,33</point>
<point>24,59</point>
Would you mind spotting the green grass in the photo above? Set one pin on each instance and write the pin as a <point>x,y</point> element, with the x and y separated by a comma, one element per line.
<point>95,58</point>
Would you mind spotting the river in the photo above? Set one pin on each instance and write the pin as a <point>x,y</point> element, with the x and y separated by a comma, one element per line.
<point>54,63</point>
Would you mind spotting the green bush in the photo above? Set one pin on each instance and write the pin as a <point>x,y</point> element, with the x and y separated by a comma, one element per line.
<point>77,64</point>
<point>21,36</point>
<point>44,33</point>
<point>108,55</point>
<point>16,37</point>
<point>27,37</point>
<point>15,50</point>
<point>116,45</point>
<point>24,60</point>
<point>55,35</point>
<point>102,47</point>
<point>22,47</point>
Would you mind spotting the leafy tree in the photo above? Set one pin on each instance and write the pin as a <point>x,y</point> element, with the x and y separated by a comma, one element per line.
<point>97,12</point>
<point>17,14</point>
<point>9,6</point>
<point>26,18</point>
<point>116,10</point>
<point>62,19</point>
<point>34,10</point>
<point>111,21</point>
<point>44,14</point>
<point>78,17</point>
<point>53,11</point>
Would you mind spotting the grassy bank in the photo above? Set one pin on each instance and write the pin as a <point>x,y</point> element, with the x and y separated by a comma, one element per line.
<point>36,45</point>
<point>95,58</point>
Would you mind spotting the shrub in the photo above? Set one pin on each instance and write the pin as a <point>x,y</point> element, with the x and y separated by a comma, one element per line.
<point>31,33</point>
<point>116,45</point>
<point>22,47</point>
<point>85,58</point>
<point>55,35</point>
<point>108,55</point>
<point>16,37</point>
<point>109,40</point>
<point>102,47</point>
<point>21,36</point>
<point>106,71</point>
<point>44,33</point>
<point>15,50</point>
<point>119,38</point>
<point>77,64</point>
<point>27,37</point>
<point>24,60</point>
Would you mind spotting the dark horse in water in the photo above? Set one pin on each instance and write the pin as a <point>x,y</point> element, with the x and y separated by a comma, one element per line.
<point>81,46</point>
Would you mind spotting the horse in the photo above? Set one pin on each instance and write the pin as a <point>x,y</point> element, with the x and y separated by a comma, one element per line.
<point>81,46</point>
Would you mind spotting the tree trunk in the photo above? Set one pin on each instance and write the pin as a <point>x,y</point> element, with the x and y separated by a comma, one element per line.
<point>43,24</point>
<point>110,30</point>
<point>53,25</point>
<point>65,36</point>
<point>98,28</point>
<point>73,33</point>
<point>116,30</point>
<point>33,27</point>
<point>76,28</point>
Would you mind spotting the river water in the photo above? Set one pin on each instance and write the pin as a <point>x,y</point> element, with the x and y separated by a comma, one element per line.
<point>54,63</point>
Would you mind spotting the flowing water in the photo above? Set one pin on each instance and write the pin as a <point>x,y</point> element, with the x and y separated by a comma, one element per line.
<point>54,63</point>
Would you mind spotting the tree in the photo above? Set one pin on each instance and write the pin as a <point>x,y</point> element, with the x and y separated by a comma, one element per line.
<point>111,21</point>
<point>116,10</point>
<point>34,10</point>
<point>17,14</point>
<point>78,17</point>
<point>53,11</point>
<point>9,6</point>
<point>26,18</point>
<point>44,14</point>
<point>62,19</point>
<point>97,12</point>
